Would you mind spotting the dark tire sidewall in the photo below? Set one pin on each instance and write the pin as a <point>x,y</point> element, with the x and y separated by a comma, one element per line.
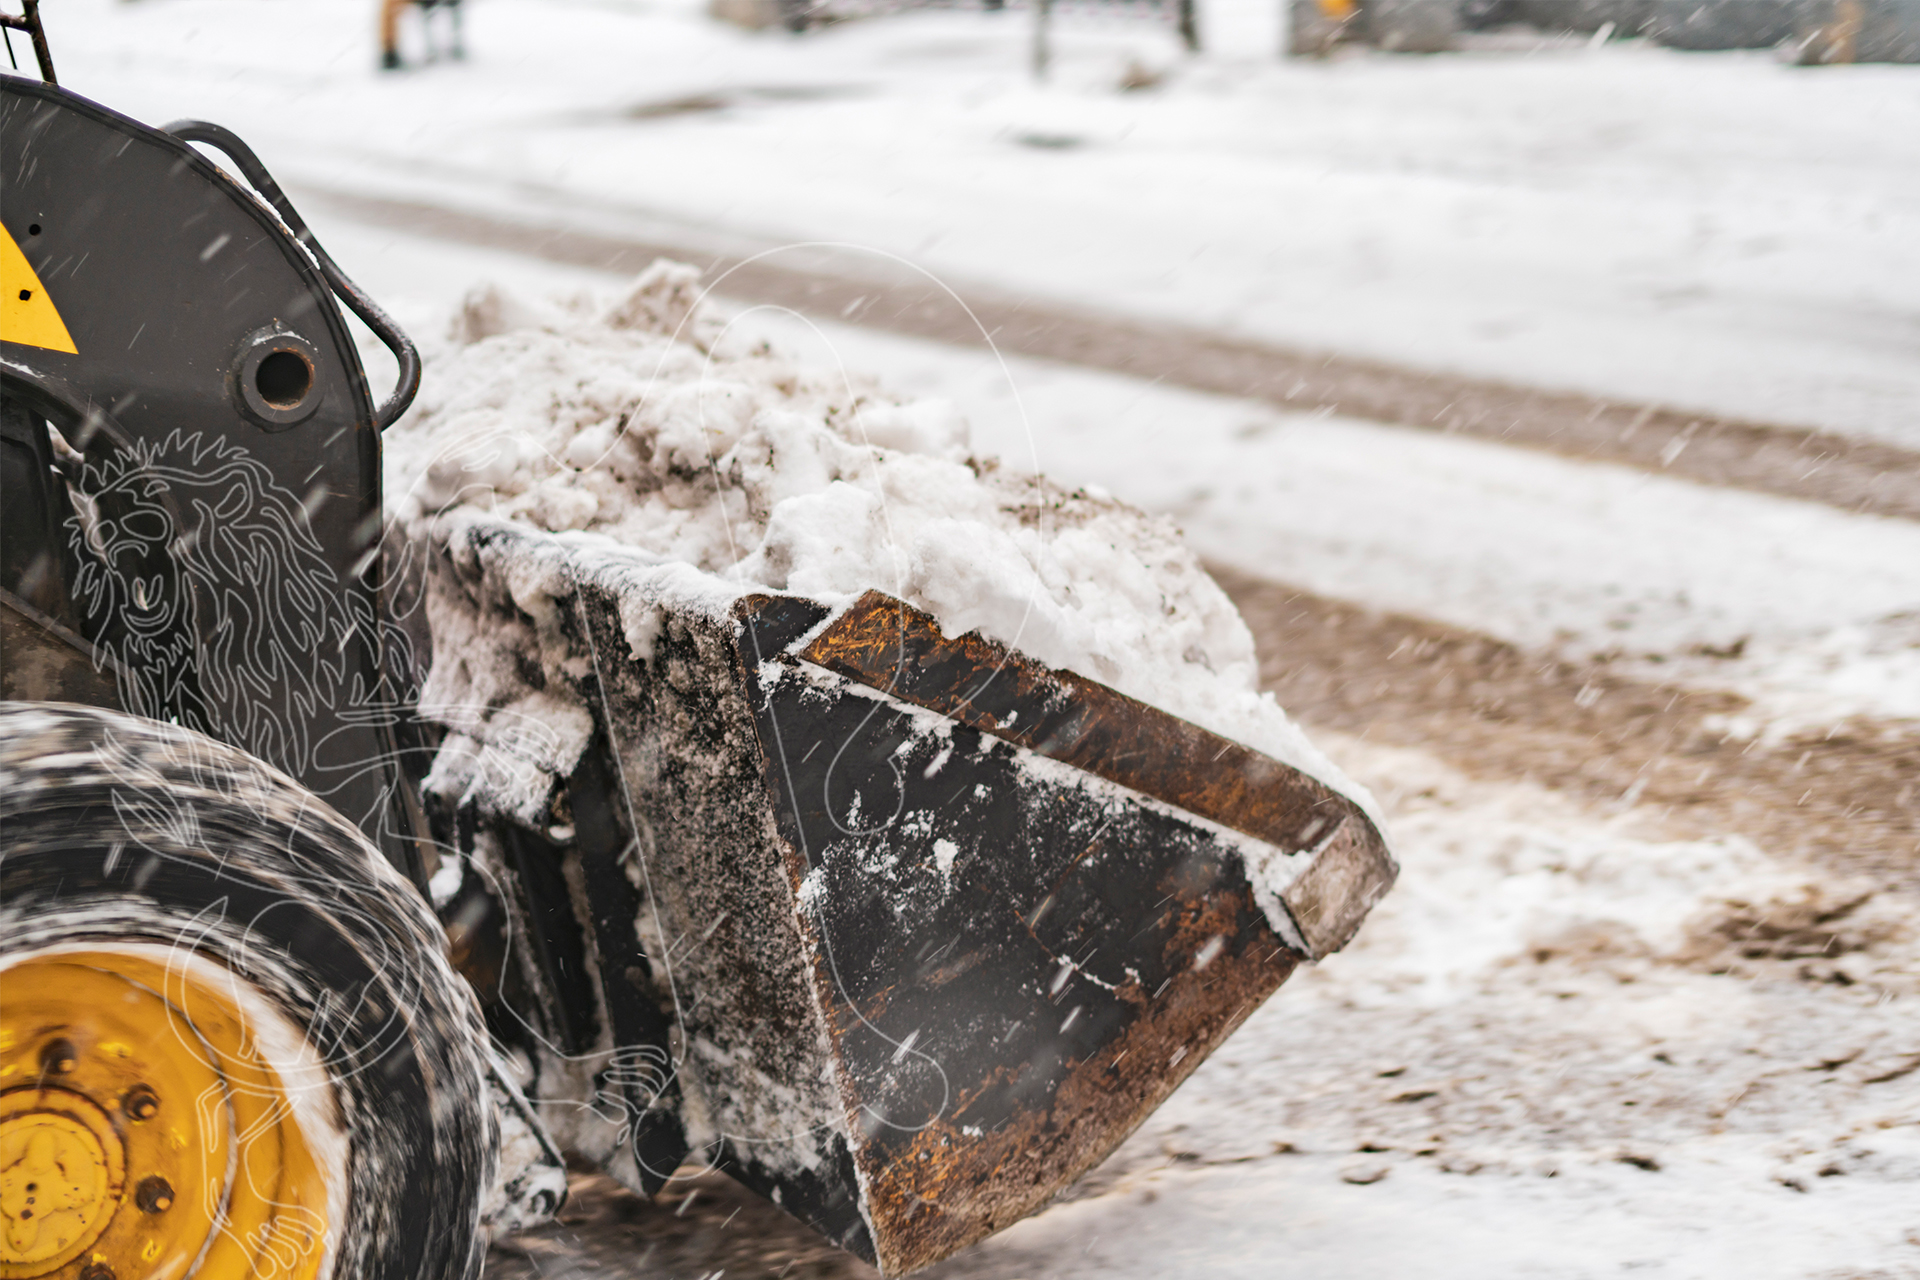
<point>118,830</point>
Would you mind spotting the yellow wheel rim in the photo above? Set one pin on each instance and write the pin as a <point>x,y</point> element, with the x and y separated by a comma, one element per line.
<point>145,1132</point>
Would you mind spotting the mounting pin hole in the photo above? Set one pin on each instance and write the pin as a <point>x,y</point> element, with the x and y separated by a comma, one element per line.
<point>283,379</point>
<point>275,380</point>
<point>33,229</point>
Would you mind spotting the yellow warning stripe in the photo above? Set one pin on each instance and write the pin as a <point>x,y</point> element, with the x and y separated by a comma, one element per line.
<point>27,313</point>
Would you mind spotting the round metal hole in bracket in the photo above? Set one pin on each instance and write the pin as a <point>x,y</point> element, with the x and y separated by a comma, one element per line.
<point>154,1122</point>
<point>276,378</point>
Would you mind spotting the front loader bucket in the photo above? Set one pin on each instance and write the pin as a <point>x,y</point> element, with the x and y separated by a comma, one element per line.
<point>925,928</point>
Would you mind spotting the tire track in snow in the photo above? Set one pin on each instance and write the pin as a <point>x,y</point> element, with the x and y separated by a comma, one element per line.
<point>1848,799</point>
<point>1795,462</point>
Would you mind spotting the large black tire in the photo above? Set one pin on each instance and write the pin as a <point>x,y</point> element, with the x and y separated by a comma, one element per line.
<point>118,830</point>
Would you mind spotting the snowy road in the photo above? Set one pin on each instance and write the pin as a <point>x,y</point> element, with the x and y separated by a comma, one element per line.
<point>863,289</point>
<point>1563,978</point>
<point>1645,998</point>
<point>1723,234</point>
<point>1800,607</point>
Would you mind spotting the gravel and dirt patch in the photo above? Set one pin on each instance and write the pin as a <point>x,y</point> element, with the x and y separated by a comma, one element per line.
<point>1847,798</point>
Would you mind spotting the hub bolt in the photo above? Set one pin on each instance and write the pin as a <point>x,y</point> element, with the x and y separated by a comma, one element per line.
<point>153,1195</point>
<point>58,1058</point>
<point>141,1103</point>
<point>96,1271</point>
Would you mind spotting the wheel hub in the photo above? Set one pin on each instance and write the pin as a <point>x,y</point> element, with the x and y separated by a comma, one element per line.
<point>142,1133</point>
<point>62,1173</point>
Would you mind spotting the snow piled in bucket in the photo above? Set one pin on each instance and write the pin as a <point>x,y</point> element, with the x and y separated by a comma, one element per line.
<point>643,422</point>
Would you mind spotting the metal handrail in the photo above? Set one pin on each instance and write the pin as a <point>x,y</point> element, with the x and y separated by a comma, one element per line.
<point>29,22</point>
<point>356,298</point>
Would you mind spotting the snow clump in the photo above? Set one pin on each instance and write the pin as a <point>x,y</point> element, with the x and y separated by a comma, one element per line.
<point>647,422</point>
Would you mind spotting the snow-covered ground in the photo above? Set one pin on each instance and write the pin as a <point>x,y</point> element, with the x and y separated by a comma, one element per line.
<point>1721,231</point>
<point>1579,558</point>
<point>1716,231</point>
<point>1548,553</point>
<point>1544,1055</point>
<point>1524,1067</point>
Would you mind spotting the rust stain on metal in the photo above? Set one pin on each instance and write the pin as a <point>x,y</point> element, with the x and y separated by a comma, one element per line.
<point>1092,950</point>
<point>949,1188</point>
<point>889,645</point>
<point>1335,893</point>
